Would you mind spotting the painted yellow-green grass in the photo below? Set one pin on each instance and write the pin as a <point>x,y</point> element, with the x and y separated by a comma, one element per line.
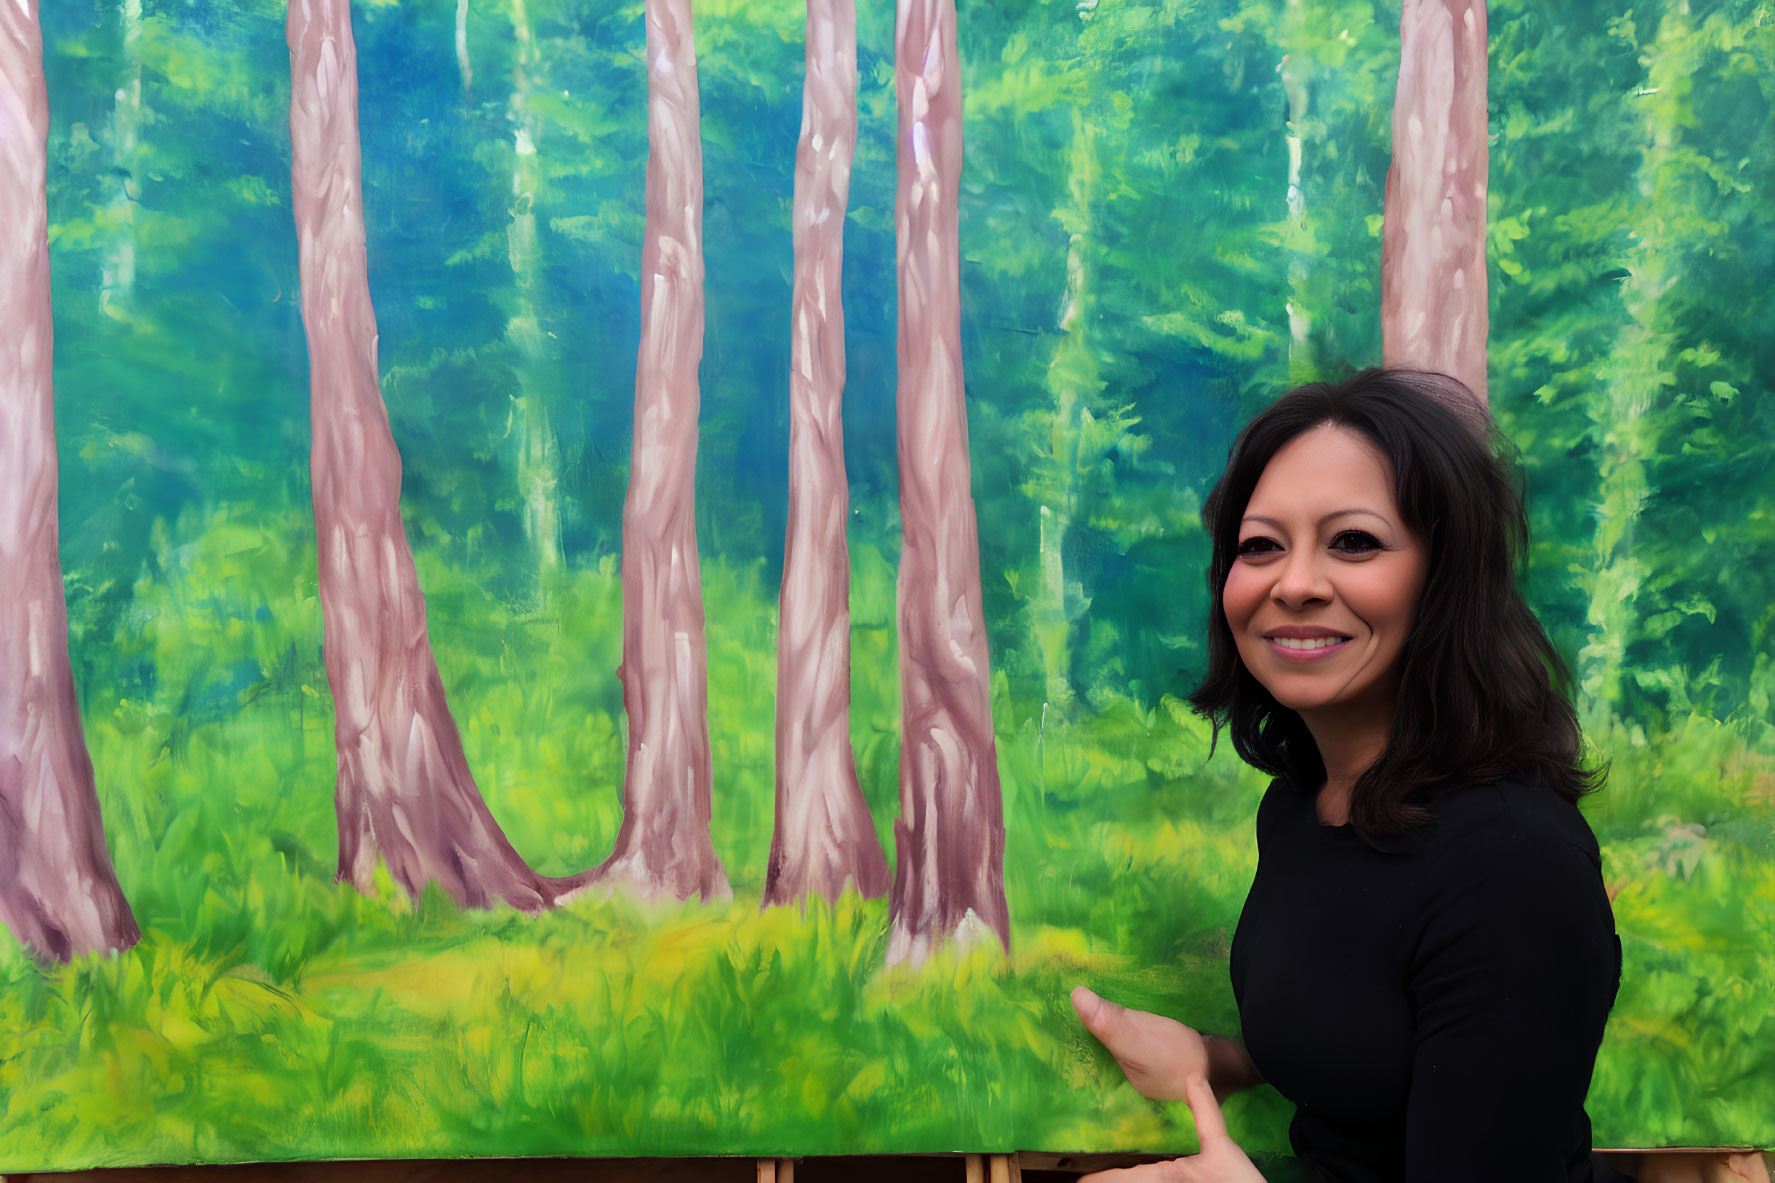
<point>270,1013</point>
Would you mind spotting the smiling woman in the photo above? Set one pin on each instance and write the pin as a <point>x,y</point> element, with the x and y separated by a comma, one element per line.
<point>1377,508</point>
<point>1427,956</point>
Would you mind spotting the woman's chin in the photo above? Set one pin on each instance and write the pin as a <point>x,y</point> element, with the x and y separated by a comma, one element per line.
<point>1305,705</point>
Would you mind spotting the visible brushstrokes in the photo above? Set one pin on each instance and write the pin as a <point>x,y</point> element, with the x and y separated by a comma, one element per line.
<point>58,892</point>
<point>824,836</point>
<point>950,838</point>
<point>664,846</point>
<point>1433,279</point>
<point>404,790</point>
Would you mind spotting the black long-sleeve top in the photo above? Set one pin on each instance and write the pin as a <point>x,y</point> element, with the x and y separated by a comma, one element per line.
<point>1433,1009</point>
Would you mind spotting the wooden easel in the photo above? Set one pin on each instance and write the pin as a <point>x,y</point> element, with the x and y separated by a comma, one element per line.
<point>996,1168</point>
<point>981,1168</point>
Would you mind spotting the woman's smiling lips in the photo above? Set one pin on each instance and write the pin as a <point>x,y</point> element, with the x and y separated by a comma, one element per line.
<point>1301,643</point>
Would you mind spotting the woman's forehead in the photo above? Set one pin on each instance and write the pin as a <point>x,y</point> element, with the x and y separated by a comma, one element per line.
<point>1320,472</point>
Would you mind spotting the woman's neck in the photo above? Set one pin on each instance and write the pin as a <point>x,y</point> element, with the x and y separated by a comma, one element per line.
<point>1349,743</point>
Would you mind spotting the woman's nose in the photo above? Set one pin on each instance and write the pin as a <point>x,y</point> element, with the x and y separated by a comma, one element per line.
<point>1301,579</point>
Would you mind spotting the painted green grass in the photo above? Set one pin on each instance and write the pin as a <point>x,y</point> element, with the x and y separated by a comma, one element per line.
<point>272,1014</point>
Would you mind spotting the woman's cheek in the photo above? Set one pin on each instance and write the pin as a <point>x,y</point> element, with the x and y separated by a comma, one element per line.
<point>1241,596</point>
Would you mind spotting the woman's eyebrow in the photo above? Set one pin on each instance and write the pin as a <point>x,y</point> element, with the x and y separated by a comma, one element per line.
<point>1336,513</point>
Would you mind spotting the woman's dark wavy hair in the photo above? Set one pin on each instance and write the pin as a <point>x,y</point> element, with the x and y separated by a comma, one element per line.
<point>1483,695</point>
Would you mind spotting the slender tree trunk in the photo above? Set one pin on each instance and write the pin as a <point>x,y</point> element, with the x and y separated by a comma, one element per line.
<point>1073,380</point>
<point>463,67</point>
<point>1297,236</point>
<point>117,277</point>
<point>949,881</point>
<point>1433,277</point>
<point>404,791</point>
<point>1634,378</point>
<point>58,892</point>
<point>663,847</point>
<point>824,836</point>
<point>538,455</point>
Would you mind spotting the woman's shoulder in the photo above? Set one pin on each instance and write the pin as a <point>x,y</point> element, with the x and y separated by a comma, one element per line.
<point>1522,828</point>
<point>1514,866</point>
<point>1511,810</point>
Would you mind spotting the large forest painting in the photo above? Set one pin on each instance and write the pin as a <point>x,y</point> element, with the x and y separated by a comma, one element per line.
<point>619,577</point>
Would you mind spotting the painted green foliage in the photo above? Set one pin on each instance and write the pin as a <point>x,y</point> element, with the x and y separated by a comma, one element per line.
<point>1626,328</point>
<point>1131,254</point>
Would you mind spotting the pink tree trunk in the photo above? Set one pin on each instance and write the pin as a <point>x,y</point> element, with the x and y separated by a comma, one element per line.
<point>824,836</point>
<point>404,791</point>
<point>663,847</point>
<point>58,893</point>
<point>950,837</point>
<point>1433,277</point>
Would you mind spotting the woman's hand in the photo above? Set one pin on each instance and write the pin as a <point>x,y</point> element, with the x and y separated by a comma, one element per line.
<point>1221,1160</point>
<point>1158,1055</point>
<point>1167,1061</point>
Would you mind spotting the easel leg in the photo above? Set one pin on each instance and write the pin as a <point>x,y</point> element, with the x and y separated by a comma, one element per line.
<point>1004,1169</point>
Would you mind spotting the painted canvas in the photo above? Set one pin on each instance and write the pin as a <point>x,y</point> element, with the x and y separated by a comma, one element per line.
<point>601,577</point>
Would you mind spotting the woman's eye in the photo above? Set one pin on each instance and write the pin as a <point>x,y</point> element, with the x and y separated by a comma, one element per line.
<point>1356,542</point>
<point>1257,546</point>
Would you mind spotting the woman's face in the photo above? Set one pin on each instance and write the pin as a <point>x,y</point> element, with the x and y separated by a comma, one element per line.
<point>1326,579</point>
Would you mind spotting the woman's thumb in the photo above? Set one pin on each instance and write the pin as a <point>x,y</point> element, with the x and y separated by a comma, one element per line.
<point>1094,1012</point>
<point>1088,1006</point>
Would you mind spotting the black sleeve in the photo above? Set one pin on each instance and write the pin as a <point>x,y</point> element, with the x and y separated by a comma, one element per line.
<point>1510,987</point>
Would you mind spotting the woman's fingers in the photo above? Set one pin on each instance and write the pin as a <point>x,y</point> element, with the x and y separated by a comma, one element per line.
<point>1210,1123</point>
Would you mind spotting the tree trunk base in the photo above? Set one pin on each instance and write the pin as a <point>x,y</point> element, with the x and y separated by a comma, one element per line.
<point>630,874</point>
<point>827,855</point>
<point>913,947</point>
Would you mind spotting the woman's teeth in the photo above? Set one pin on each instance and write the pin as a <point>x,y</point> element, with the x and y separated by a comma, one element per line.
<point>1308,642</point>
